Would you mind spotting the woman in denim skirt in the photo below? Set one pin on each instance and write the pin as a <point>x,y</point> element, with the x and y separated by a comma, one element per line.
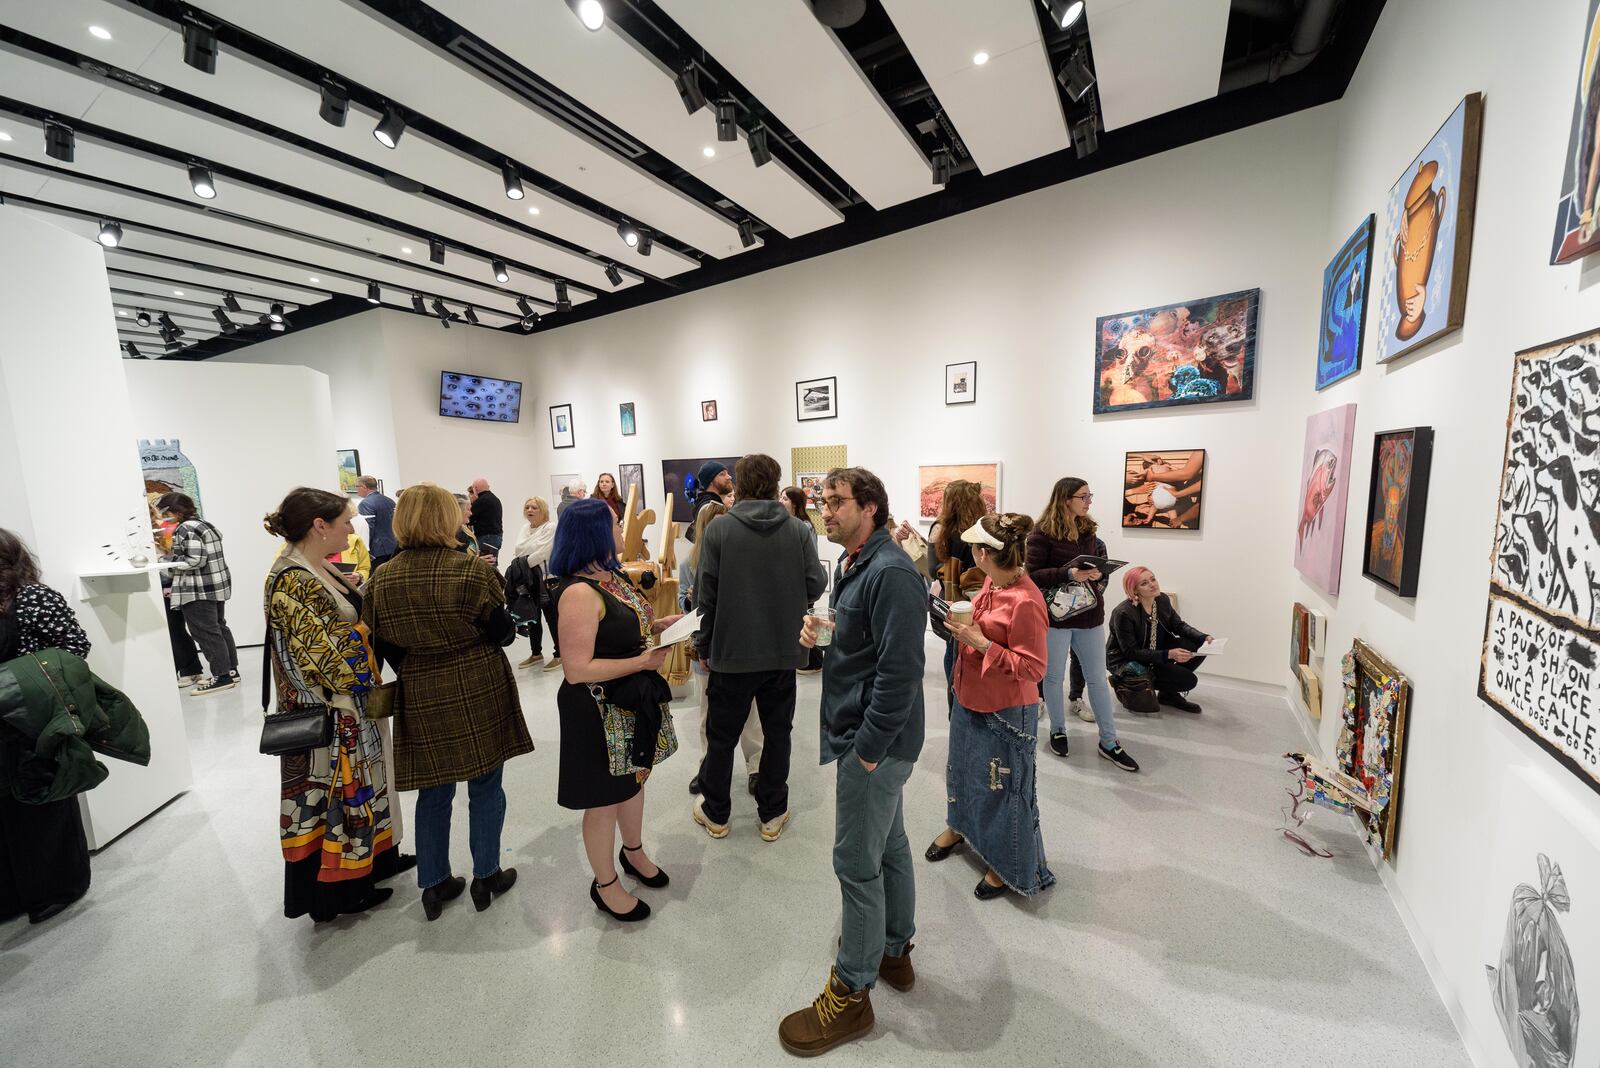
<point>994,727</point>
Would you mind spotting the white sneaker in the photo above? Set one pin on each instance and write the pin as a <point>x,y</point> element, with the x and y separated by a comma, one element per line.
<point>771,829</point>
<point>715,830</point>
<point>189,680</point>
<point>1081,709</point>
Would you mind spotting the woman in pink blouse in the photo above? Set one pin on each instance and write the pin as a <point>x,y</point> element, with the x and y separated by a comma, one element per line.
<point>994,727</point>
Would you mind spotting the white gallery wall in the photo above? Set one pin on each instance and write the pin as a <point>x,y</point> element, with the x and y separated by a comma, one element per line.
<point>246,455</point>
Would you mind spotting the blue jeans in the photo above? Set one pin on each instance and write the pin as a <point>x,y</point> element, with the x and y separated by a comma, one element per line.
<point>991,792</point>
<point>1088,646</point>
<point>486,815</point>
<point>950,674</point>
<point>872,859</point>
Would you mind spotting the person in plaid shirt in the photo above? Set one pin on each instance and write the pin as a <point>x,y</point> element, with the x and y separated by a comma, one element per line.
<point>201,586</point>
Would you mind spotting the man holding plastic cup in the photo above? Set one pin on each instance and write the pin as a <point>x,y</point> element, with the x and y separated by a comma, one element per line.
<point>872,725</point>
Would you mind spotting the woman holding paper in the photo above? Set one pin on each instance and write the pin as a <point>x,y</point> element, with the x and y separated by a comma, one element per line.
<point>1149,639</point>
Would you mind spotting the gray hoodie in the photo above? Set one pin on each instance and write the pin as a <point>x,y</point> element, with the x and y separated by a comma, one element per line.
<point>758,572</point>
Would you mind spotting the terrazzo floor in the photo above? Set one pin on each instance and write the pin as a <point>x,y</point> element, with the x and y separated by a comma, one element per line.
<point>1183,929</point>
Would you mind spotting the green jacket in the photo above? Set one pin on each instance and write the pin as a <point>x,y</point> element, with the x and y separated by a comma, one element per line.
<point>55,714</point>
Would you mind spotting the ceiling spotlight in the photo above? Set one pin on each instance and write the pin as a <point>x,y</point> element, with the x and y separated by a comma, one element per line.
<point>760,154</point>
<point>472,316</point>
<point>613,275</point>
<point>1064,12</point>
<point>275,313</point>
<point>941,166</point>
<point>177,292</point>
<point>563,302</point>
<point>980,58</point>
<point>390,128</point>
<point>727,120</point>
<point>335,103</point>
<point>168,338</point>
<point>417,305</point>
<point>374,295</point>
<point>512,180</point>
<point>200,47</point>
<point>529,316</point>
<point>143,318</point>
<point>688,83</point>
<point>589,12</point>
<point>436,249</point>
<point>169,326</point>
<point>647,241</point>
<point>838,14</point>
<point>100,32</point>
<point>1075,76</point>
<point>442,312</point>
<point>628,233</point>
<point>501,275</point>
<point>1085,138</point>
<point>133,351</point>
<point>110,234</point>
<point>708,152</point>
<point>59,142</point>
<point>227,324</point>
<point>277,326</point>
<point>747,233</point>
<point>231,302</point>
<point>200,181</point>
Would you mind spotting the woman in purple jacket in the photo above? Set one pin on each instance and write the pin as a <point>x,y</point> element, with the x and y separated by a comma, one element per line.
<point>1065,531</point>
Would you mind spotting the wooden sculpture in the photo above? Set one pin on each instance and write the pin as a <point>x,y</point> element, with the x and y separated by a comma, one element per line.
<point>657,579</point>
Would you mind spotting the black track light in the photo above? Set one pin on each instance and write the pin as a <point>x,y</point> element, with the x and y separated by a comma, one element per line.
<point>59,142</point>
<point>629,233</point>
<point>390,127</point>
<point>688,83</point>
<point>417,305</point>
<point>1063,13</point>
<point>201,182</point>
<point>501,275</point>
<point>647,241</point>
<point>613,275</point>
<point>168,338</point>
<point>512,180</point>
<point>590,12</point>
<point>1075,76</point>
<point>110,234</point>
<point>277,326</point>
<point>436,250</point>
<point>227,324</point>
<point>727,120</point>
<point>442,312</point>
<point>563,302</point>
<point>231,302</point>
<point>168,326</point>
<point>1085,137</point>
<point>760,154</point>
<point>472,316</point>
<point>200,47</point>
<point>529,316</point>
<point>275,313</point>
<point>335,103</point>
<point>941,166</point>
<point>747,233</point>
<point>374,294</point>
<point>143,318</point>
<point>133,351</point>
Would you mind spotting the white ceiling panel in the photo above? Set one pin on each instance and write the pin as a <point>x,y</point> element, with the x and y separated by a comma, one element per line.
<point>804,76</point>
<point>128,271</point>
<point>1155,56</point>
<point>134,294</point>
<point>366,48</point>
<point>615,78</point>
<point>1008,110</point>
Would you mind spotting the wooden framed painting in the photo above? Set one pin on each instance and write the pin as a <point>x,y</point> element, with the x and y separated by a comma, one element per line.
<point>1578,208</point>
<point>561,427</point>
<point>1161,490</point>
<point>816,398</point>
<point>1196,352</point>
<point>1397,504</point>
<point>1372,741</point>
<point>961,382</point>
<point>1344,307</point>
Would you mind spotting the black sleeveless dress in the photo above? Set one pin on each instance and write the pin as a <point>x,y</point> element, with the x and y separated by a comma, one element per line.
<point>584,778</point>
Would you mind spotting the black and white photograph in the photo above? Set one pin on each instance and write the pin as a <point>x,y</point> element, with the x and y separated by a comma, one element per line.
<point>961,382</point>
<point>708,411</point>
<point>561,427</point>
<point>630,475</point>
<point>816,398</point>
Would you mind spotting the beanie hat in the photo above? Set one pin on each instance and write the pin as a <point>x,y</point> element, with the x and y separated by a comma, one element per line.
<point>708,473</point>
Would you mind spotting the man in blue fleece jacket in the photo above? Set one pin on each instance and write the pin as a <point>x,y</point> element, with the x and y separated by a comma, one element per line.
<point>872,726</point>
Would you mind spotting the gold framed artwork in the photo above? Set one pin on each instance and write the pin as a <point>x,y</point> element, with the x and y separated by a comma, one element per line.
<point>1372,742</point>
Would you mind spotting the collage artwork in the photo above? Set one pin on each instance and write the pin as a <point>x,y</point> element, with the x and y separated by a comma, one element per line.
<point>1196,352</point>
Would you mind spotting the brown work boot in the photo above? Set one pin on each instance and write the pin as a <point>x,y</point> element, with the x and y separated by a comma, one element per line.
<point>897,971</point>
<point>836,1017</point>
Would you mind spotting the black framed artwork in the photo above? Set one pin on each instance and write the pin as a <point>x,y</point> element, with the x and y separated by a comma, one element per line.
<point>961,382</point>
<point>561,427</point>
<point>708,411</point>
<point>1397,504</point>
<point>816,398</point>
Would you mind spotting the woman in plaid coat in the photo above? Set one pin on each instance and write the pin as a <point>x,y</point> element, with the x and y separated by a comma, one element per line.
<point>439,616</point>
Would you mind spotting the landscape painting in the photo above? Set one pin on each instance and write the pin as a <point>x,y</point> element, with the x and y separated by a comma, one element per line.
<point>1578,209</point>
<point>1161,490</point>
<point>1324,494</point>
<point>1195,352</point>
<point>1344,307</point>
<point>349,470</point>
<point>931,482</point>
<point>1397,504</point>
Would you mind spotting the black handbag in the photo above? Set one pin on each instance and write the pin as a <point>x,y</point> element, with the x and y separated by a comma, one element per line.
<point>288,733</point>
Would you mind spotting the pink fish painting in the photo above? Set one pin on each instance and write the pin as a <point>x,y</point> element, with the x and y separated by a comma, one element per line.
<point>1324,493</point>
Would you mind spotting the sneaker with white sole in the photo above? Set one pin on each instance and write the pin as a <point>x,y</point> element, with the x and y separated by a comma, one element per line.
<point>1119,756</point>
<point>715,830</point>
<point>1081,709</point>
<point>216,685</point>
<point>773,828</point>
<point>189,680</point>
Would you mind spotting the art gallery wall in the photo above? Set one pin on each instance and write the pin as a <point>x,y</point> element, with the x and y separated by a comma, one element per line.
<point>246,456</point>
<point>1424,57</point>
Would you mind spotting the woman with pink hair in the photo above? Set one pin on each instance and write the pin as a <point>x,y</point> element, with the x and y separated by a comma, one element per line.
<point>1150,650</point>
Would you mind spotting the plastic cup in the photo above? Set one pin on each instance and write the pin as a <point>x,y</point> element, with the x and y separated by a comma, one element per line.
<point>822,623</point>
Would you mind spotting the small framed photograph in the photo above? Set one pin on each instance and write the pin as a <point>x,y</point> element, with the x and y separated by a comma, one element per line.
<point>629,427</point>
<point>708,411</point>
<point>816,398</point>
<point>961,382</point>
<point>628,476</point>
<point>561,426</point>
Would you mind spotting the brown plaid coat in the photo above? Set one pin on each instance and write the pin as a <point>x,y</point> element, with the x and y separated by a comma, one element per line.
<point>459,713</point>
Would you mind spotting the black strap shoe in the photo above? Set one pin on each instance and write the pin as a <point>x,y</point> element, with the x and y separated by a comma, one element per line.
<point>639,911</point>
<point>654,882</point>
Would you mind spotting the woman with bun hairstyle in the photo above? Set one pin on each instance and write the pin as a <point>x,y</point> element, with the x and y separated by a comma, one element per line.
<point>994,726</point>
<point>334,819</point>
<point>1149,640</point>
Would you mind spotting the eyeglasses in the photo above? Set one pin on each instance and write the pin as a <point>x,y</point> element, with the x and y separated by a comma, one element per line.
<point>1083,496</point>
<point>833,504</point>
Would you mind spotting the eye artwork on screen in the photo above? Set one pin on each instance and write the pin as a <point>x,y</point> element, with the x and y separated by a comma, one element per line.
<point>464,396</point>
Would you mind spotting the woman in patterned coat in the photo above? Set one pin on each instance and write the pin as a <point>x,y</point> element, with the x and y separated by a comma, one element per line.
<point>337,839</point>
<point>440,616</point>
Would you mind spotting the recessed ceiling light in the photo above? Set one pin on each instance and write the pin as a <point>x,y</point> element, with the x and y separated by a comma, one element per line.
<point>100,32</point>
<point>406,249</point>
<point>313,280</point>
<point>531,211</point>
<point>177,292</point>
<point>122,312</point>
<point>4,136</point>
<point>708,152</point>
<point>980,58</point>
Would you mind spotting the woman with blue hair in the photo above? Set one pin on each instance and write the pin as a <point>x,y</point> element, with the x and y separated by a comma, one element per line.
<point>607,628</point>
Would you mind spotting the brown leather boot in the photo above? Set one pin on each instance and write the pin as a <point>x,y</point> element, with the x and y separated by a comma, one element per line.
<point>897,971</point>
<point>837,1016</point>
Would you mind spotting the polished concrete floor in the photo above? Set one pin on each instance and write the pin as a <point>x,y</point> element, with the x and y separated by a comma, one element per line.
<point>1183,929</point>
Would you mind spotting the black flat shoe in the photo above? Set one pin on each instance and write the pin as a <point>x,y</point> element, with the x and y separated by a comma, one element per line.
<point>47,913</point>
<point>371,901</point>
<point>654,882</point>
<point>753,779</point>
<point>434,897</point>
<point>638,912</point>
<point>984,892</point>
<point>694,785</point>
<point>937,852</point>
<point>495,885</point>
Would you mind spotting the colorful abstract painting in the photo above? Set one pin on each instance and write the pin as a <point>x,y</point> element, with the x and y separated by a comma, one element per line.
<point>1577,233</point>
<point>1161,490</point>
<point>1397,504</point>
<point>1324,494</point>
<point>349,470</point>
<point>931,482</point>
<point>1195,352</point>
<point>1427,225</point>
<point>1344,307</point>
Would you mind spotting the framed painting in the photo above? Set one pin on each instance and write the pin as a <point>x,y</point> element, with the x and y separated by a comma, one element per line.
<point>1576,232</point>
<point>558,488</point>
<point>1427,224</point>
<point>629,426</point>
<point>677,482</point>
<point>561,427</point>
<point>1161,490</point>
<point>961,382</point>
<point>349,470</point>
<point>1324,496</point>
<point>1196,352</point>
<point>1372,741</point>
<point>1344,307</point>
<point>931,482</point>
<point>816,398</point>
<point>1397,503</point>
<point>631,475</point>
<point>708,411</point>
<point>1541,645</point>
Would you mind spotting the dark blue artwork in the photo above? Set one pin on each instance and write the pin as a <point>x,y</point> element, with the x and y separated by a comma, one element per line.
<point>1344,307</point>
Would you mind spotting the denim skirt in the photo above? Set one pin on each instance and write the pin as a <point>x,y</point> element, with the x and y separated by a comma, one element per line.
<point>990,785</point>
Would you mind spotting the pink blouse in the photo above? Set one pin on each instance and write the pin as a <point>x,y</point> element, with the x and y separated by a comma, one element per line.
<point>1007,674</point>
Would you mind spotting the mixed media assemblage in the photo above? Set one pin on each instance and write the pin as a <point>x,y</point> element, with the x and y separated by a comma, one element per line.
<point>1194,352</point>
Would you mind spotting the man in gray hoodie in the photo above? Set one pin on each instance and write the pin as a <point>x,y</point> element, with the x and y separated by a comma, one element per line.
<point>758,572</point>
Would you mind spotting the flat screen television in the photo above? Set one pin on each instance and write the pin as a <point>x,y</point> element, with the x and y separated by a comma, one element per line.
<point>464,396</point>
